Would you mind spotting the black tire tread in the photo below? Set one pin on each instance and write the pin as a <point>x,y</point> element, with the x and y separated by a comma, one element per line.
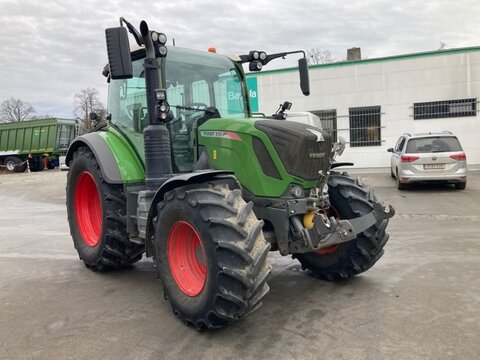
<point>243,271</point>
<point>117,252</point>
<point>360,254</point>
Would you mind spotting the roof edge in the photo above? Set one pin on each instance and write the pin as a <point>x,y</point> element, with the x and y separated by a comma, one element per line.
<point>381,59</point>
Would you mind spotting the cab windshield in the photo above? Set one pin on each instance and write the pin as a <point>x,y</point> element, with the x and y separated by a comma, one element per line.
<point>197,79</point>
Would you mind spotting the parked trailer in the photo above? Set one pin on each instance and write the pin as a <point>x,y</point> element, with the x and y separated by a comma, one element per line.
<point>34,143</point>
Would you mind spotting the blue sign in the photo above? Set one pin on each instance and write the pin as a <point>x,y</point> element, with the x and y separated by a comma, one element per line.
<point>252,93</point>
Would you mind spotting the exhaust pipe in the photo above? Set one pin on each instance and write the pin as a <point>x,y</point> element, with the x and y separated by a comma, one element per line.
<point>158,161</point>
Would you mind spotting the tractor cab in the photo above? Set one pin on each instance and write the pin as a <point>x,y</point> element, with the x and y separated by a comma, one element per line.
<point>199,85</point>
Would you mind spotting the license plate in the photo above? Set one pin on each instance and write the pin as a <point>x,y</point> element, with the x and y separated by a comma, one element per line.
<point>433,166</point>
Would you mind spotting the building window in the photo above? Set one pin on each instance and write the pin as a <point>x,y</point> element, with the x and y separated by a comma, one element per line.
<point>328,118</point>
<point>445,109</point>
<point>365,126</point>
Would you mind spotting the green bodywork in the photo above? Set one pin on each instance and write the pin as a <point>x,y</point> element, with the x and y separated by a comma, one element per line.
<point>224,153</point>
<point>127,153</point>
<point>237,154</point>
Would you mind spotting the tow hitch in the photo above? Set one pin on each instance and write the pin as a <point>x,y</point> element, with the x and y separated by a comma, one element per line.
<point>330,231</point>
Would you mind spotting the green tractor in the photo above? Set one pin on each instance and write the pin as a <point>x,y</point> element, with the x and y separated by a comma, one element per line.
<point>181,171</point>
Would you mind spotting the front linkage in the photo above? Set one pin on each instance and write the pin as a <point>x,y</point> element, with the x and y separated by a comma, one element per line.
<point>301,226</point>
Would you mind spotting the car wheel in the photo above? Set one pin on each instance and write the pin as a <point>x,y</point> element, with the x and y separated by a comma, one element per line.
<point>461,186</point>
<point>400,186</point>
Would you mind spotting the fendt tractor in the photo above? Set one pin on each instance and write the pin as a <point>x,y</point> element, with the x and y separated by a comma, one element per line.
<point>181,171</point>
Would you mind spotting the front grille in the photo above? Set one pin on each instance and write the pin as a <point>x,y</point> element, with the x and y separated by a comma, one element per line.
<point>304,150</point>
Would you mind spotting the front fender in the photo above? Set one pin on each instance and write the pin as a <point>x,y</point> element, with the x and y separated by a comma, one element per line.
<point>173,183</point>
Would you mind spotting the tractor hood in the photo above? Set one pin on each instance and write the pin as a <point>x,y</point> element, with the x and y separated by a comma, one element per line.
<point>304,150</point>
<point>267,155</point>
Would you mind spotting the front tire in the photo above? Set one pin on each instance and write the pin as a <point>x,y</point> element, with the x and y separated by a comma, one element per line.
<point>210,255</point>
<point>97,216</point>
<point>349,199</point>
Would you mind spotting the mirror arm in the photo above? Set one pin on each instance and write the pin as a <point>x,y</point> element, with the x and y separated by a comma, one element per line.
<point>132,30</point>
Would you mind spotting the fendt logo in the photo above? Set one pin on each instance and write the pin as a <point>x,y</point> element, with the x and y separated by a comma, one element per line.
<point>316,155</point>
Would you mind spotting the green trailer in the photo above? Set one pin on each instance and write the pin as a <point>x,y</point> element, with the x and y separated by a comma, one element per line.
<point>37,143</point>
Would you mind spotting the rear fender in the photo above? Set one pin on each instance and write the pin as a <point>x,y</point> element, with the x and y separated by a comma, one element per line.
<point>118,163</point>
<point>176,182</point>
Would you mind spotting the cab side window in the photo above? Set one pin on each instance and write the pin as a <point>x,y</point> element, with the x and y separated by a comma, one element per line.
<point>127,102</point>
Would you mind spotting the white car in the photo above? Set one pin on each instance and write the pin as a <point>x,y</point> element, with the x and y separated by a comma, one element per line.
<point>431,157</point>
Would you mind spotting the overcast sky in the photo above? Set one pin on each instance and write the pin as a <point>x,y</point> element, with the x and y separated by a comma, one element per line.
<point>49,50</point>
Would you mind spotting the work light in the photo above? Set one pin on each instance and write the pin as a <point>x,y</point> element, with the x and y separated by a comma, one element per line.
<point>160,94</point>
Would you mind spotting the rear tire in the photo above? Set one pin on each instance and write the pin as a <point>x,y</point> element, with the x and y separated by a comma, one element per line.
<point>210,255</point>
<point>350,199</point>
<point>14,164</point>
<point>97,216</point>
<point>461,186</point>
<point>36,164</point>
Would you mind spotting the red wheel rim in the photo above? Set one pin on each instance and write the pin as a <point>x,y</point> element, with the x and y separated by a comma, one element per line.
<point>329,249</point>
<point>186,258</point>
<point>88,209</point>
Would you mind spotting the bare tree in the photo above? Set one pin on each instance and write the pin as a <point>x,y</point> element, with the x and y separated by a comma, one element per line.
<point>85,102</point>
<point>15,110</point>
<point>442,45</point>
<point>316,56</point>
<point>40,117</point>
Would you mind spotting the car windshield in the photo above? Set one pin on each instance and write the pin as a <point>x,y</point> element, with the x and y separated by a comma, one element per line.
<point>433,144</point>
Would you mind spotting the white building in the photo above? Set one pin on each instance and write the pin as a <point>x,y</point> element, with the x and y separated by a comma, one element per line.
<point>372,102</point>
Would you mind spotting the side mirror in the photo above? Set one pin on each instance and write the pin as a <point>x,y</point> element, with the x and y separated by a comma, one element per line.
<point>390,150</point>
<point>304,80</point>
<point>118,49</point>
<point>286,106</point>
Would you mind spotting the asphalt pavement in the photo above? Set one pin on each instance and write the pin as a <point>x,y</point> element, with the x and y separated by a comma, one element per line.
<point>420,301</point>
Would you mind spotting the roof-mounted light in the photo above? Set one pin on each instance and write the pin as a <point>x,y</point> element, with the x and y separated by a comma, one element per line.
<point>162,50</point>
<point>255,65</point>
<point>160,94</point>
<point>158,38</point>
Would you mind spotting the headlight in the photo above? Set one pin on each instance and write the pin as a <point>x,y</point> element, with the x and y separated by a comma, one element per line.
<point>297,191</point>
<point>325,189</point>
